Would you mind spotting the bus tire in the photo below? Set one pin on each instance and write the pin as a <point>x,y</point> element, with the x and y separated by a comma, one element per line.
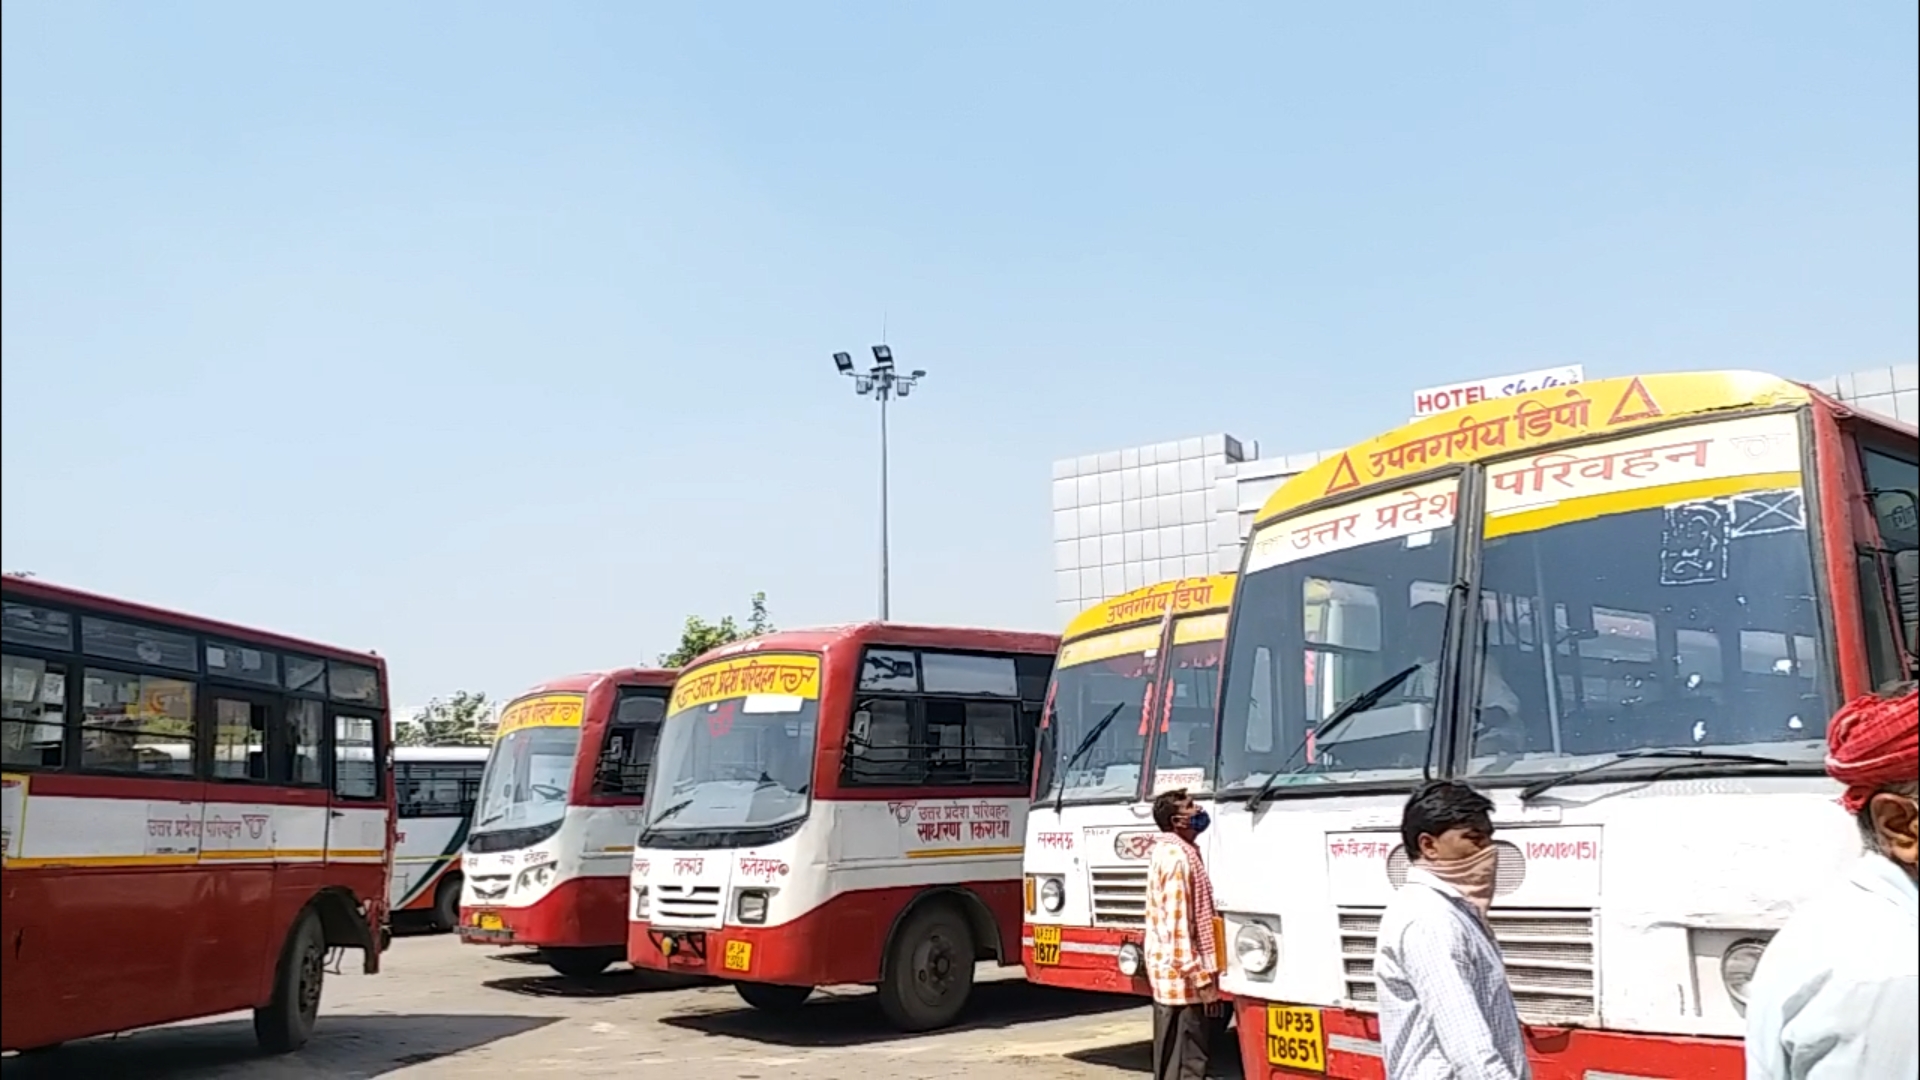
<point>580,963</point>
<point>446,903</point>
<point>286,1022</point>
<point>929,970</point>
<point>773,997</point>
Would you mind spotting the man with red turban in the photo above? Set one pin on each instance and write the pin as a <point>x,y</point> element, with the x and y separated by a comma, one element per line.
<point>1837,995</point>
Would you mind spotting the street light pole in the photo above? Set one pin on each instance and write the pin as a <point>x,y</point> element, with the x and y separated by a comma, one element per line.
<point>882,382</point>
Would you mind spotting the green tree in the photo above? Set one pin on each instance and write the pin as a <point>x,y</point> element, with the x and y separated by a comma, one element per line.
<point>465,719</point>
<point>699,635</point>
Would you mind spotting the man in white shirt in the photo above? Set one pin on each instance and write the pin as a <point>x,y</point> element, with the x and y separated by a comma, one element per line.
<point>1837,995</point>
<point>1446,1011</point>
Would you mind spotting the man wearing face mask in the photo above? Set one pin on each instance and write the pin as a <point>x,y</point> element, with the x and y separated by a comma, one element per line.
<point>1446,1011</point>
<point>1838,990</point>
<point>1182,966</point>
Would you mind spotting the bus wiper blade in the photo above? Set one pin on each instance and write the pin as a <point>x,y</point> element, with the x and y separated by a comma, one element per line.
<point>1354,707</point>
<point>668,812</point>
<point>1086,744</point>
<point>1686,756</point>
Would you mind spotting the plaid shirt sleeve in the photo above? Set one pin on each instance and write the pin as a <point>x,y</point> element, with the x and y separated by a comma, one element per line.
<point>1172,961</point>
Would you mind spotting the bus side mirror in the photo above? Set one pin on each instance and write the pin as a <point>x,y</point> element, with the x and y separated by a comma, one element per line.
<point>1906,594</point>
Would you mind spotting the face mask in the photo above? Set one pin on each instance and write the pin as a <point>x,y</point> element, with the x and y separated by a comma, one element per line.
<point>1199,821</point>
<point>1473,876</point>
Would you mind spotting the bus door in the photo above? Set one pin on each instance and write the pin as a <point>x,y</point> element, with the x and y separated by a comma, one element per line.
<point>358,825</point>
<point>244,795</point>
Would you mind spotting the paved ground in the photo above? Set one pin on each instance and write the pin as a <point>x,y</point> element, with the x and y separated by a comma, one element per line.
<point>441,1009</point>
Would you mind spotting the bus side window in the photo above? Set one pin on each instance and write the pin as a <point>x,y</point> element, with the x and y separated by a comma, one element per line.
<point>625,760</point>
<point>626,757</point>
<point>880,748</point>
<point>1886,570</point>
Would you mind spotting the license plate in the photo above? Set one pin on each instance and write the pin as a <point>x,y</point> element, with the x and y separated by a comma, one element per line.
<point>739,956</point>
<point>1296,1039</point>
<point>1046,945</point>
<point>487,920</point>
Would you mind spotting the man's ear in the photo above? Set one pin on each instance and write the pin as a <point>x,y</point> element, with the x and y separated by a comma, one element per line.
<point>1897,821</point>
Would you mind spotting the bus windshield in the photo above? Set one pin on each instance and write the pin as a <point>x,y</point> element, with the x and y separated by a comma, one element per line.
<point>1183,751</point>
<point>745,762</point>
<point>530,769</point>
<point>1333,601</point>
<point>1687,622</point>
<point>1098,681</point>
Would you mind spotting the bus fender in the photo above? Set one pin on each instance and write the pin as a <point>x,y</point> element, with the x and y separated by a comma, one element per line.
<point>346,928</point>
<point>980,920</point>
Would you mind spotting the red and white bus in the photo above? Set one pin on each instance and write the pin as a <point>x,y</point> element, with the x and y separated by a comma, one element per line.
<point>1130,714</point>
<point>552,836</point>
<point>843,806</point>
<point>195,814</point>
<point>1625,610</point>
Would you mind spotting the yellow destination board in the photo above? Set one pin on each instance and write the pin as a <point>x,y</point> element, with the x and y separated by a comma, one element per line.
<point>1559,414</point>
<point>785,674</point>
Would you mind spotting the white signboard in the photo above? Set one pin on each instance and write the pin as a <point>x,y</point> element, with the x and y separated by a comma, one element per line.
<point>1410,512</point>
<point>1439,399</point>
<point>1745,447</point>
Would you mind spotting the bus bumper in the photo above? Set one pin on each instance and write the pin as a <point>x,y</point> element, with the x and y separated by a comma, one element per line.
<point>1081,958</point>
<point>581,913</point>
<point>771,954</point>
<point>1275,1044</point>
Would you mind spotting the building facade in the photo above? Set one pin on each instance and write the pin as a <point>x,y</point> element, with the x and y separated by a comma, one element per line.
<point>1128,518</point>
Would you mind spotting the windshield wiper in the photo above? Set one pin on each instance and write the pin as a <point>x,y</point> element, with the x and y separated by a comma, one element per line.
<point>1354,707</point>
<point>669,812</point>
<point>1686,757</point>
<point>1086,744</point>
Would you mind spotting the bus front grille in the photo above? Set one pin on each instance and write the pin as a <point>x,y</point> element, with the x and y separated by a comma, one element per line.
<point>1119,896</point>
<point>688,905</point>
<point>1549,953</point>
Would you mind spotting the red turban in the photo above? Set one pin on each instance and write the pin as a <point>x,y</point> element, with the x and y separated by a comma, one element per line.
<point>1872,743</point>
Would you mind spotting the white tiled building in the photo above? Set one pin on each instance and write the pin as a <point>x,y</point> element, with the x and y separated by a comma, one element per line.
<point>1128,518</point>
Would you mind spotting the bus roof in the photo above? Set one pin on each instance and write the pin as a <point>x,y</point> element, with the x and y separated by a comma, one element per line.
<point>584,681</point>
<point>820,639</point>
<point>446,754</point>
<point>33,589</point>
<point>1187,595</point>
<point>1531,421</point>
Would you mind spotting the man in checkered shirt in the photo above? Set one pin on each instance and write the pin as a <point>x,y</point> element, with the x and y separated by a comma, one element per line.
<point>1182,965</point>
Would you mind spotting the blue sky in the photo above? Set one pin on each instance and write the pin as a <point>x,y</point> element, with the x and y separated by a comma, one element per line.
<point>495,337</point>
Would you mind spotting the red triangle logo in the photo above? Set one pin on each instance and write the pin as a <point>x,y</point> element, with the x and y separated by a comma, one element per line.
<point>1343,476</point>
<point>1635,404</point>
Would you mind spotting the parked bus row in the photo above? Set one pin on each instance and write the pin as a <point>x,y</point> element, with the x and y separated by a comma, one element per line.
<point>1623,608</point>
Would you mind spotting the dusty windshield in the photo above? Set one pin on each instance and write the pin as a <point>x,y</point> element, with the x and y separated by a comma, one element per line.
<point>1679,577</point>
<point>531,767</point>
<point>1099,689</point>
<point>1332,602</point>
<point>1183,748</point>
<point>736,751</point>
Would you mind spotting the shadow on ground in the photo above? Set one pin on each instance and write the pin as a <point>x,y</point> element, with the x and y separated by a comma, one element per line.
<point>618,982</point>
<point>1137,1058</point>
<point>852,1018</point>
<point>348,1047</point>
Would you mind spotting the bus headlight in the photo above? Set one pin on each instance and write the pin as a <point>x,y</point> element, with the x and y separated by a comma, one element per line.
<point>750,906</point>
<point>1737,965</point>
<point>639,903</point>
<point>1053,895</point>
<point>1256,949</point>
<point>537,877</point>
<point>1129,961</point>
